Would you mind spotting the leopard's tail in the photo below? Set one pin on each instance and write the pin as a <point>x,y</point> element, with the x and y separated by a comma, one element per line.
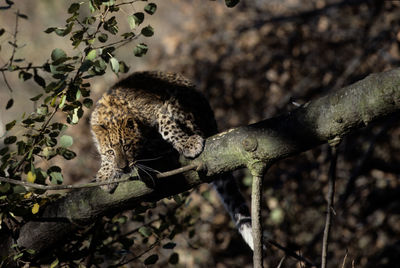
<point>235,204</point>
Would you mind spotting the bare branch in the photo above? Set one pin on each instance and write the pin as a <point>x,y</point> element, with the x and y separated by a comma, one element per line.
<point>257,171</point>
<point>329,207</point>
<point>95,184</point>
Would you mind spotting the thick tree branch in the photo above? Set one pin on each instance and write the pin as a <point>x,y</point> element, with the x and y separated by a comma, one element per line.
<point>325,119</point>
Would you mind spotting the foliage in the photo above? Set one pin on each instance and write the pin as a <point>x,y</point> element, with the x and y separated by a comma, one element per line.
<point>93,33</point>
<point>94,40</point>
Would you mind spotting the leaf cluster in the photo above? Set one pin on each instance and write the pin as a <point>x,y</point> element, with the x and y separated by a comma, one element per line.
<point>64,82</point>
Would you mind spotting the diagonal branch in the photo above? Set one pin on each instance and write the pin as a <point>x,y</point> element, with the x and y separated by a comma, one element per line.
<point>325,119</point>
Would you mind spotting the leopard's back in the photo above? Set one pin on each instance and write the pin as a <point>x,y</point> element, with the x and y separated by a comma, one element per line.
<point>142,93</point>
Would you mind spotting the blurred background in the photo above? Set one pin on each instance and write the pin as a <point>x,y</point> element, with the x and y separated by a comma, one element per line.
<point>253,62</point>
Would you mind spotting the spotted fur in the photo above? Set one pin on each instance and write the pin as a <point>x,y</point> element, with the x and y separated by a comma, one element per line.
<point>138,114</point>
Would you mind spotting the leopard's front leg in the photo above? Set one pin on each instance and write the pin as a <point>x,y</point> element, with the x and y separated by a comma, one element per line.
<point>170,124</point>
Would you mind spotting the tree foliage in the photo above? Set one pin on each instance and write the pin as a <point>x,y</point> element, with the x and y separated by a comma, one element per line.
<point>93,33</point>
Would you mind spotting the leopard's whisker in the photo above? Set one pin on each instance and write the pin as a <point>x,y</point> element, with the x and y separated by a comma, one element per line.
<point>148,174</point>
<point>148,168</point>
<point>149,159</point>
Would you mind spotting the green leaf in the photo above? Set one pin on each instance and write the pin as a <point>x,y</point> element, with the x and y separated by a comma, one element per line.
<point>42,110</point>
<point>103,37</point>
<point>66,141</point>
<point>49,30</point>
<point>89,20</point>
<point>169,245</point>
<point>114,65</point>
<point>58,54</point>
<point>128,35</point>
<point>88,102</point>
<point>152,259</point>
<point>54,263</point>
<point>131,22</point>
<point>111,25</point>
<point>231,3</point>
<point>62,102</point>
<point>178,199</point>
<point>24,75</point>
<point>21,147</point>
<point>56,178</point>
<point>145,231</point>
<point>9,104</point>
<point>36,97</point>
<point>174,258</point>
<point>22,16</point>
<point>4,150</point>
<point>140,49</point>
<point>10,125</point>
<point>138,18</point>
<point>123,68</point>
<point>73,8</point>
<point>74,118</point>
<point>73,17</point>
<point>85,66</point>
<point>19,255</point>
<point>31,251</point>
<point>65,31</point>
<point>77,38</point>
<point>39,80</point>
<point>91,55</point>
<point>150,8</point>
<point>68,154</point>
<point>148,31</point>
<point>10,140</point>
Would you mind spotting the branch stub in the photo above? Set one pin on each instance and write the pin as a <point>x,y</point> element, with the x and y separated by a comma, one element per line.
<point>250,144</point>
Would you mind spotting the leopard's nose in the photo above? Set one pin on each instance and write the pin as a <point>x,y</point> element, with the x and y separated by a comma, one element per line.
<point>123,165</point>
<point>126,169</point>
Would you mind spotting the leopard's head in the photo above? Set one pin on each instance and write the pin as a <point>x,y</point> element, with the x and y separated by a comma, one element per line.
<point>118,140</point>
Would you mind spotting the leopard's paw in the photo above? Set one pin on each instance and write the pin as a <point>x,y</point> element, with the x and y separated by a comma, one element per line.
<point>110,187</point>
<point>193,146</point>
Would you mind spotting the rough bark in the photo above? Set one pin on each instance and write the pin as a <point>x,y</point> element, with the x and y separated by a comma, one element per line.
<point>325,119</point>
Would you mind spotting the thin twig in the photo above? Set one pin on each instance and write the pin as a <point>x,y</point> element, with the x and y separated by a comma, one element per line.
<point>15,39</point>
<point>18,68</point>
<point>121,42</point>
<point>127,3</point>
<point>95,184</point>
<point>177,171</point>
<point>291,253</point>
<point>5,81</point>
<point>330,208</point>
<point>281,262</point>
<point>257,171</point>
<point>344,259</point>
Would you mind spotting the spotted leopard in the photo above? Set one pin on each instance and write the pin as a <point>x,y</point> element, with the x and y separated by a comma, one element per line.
<point>148,115</point>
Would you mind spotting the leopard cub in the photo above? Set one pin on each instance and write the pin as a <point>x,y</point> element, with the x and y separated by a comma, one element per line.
<point>164,102</point>
<point>145,114</point>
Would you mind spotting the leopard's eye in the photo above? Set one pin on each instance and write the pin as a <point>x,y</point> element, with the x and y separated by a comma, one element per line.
<point>110,152</point>
<point>130,124</point>
<point>126,147</point>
